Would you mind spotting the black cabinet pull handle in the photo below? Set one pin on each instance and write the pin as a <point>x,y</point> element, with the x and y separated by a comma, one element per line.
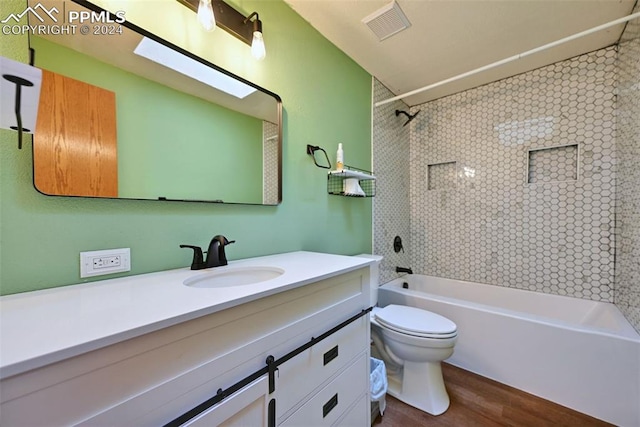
<point>330,355</point>
<point>328,407</point>
<point>271,421</point>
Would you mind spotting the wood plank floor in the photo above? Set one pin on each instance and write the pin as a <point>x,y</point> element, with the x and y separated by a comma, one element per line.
<point>479,401</point>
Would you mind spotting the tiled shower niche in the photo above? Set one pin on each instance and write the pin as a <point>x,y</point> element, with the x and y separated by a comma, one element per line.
<point>554,164</point>
<point>441,176</point>
<point>555,127</point>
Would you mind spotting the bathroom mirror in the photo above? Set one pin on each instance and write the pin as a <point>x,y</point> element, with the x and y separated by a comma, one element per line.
<point>132,116</point>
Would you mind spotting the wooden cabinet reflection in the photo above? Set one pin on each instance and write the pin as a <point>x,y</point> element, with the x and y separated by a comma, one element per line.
<point>75,142</point>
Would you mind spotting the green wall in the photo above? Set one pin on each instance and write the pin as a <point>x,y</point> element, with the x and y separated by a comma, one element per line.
<point>326,100</point>
<point>168,139</point>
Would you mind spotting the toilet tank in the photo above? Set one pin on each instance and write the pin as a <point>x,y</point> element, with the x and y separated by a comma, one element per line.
<point>375,276</point>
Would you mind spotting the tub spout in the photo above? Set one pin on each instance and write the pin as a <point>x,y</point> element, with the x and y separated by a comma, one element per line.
<point>404,270</point>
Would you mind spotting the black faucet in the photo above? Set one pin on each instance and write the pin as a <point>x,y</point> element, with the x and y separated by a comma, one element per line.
<point>216,256</point>
<point>404,270</point>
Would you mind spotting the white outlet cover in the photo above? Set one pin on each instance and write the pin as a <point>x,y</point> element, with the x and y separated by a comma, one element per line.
<point>87,265</point>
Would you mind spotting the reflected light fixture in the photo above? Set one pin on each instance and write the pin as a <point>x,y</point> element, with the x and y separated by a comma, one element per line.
<point>206,17</point>
<point>212,13</point>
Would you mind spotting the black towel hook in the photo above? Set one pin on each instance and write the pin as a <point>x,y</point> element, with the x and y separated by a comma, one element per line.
<point>19,82</point>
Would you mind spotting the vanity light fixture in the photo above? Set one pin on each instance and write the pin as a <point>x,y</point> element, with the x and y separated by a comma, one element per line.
<point>257,43</point>
<point>216,13</point>
<point>206,17</point>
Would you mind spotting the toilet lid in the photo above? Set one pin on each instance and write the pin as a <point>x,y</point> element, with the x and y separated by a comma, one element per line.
<point>415,321</point>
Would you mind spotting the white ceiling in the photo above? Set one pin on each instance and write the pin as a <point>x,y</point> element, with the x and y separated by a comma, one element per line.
<point>451,37</point>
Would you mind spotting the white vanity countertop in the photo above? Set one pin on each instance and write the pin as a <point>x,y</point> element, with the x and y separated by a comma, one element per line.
<point>41,327</point>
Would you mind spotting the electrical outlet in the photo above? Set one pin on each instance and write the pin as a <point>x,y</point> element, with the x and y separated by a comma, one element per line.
<point>97,263</point>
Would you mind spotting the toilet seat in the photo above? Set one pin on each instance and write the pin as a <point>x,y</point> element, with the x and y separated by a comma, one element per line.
<point>415,322</point>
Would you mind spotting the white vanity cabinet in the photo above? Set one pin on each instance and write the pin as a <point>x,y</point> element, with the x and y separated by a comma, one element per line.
<point>152,379</point>
<point>339,361</point>
<point>336,400</point>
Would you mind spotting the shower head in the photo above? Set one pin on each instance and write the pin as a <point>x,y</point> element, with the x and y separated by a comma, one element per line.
<point>409,116</point>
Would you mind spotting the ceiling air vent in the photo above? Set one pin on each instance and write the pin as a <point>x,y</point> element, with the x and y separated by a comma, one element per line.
<point>387,21</point>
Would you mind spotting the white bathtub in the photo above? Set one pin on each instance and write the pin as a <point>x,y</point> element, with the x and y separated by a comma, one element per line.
<point>578,353</point>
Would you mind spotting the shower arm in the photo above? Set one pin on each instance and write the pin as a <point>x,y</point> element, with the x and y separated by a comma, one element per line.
<point>409,116</point>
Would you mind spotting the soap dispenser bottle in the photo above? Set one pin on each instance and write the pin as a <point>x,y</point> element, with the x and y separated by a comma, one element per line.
<point>340,158</point>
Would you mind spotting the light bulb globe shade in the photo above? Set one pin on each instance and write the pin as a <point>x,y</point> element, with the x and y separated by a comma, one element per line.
<point>257,46</point>
<point>206,16</point>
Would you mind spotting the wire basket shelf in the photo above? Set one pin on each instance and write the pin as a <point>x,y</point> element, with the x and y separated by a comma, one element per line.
<point>343,183</point>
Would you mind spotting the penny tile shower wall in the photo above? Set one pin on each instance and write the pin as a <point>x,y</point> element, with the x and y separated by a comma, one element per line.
<point>390,147</point>
<point>627,286</point>
<point>512,183</point>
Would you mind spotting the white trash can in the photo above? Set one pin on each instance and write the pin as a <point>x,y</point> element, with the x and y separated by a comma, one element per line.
<point>378,383</point>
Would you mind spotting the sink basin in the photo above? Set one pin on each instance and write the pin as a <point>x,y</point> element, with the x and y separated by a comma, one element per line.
<point>233,276</point>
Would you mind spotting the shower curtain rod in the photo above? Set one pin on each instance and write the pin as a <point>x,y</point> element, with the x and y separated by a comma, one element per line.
<point>513,58</point>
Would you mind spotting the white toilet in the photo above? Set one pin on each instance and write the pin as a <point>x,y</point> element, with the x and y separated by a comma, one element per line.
<point>412,342</point>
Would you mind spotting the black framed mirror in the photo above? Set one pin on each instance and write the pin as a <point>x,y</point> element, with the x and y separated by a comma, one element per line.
<point>130,115</point>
